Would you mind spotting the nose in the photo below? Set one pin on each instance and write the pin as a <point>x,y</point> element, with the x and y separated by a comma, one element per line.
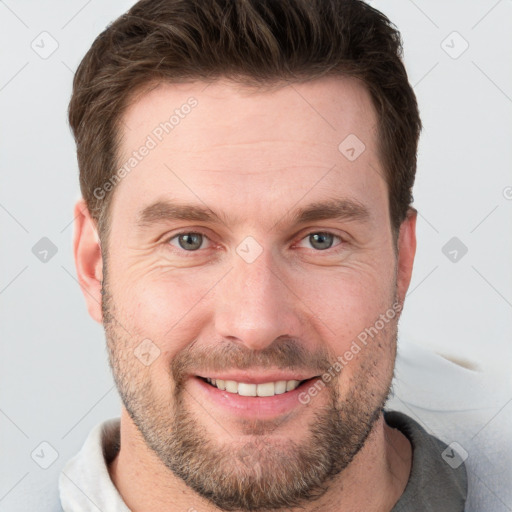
<point>255,304</point>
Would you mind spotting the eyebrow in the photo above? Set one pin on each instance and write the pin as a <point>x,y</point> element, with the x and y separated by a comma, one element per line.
<point>163,211</point>
<point>338,209</point>
<point>334,209</point>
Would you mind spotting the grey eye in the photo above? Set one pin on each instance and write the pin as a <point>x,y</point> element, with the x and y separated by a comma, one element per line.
<point>321,241</point>
<point>190,241</point>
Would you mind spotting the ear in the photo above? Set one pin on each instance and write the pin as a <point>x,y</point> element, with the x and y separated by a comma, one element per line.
<point>88,259</point>
<point>406,252</point>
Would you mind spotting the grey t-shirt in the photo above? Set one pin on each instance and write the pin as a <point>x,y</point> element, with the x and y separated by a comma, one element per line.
<point>438,480</point>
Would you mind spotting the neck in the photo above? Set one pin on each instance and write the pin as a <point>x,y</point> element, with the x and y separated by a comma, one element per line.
<point>373,481</point>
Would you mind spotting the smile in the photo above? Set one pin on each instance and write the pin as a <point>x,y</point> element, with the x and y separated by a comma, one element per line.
<point>248,389</point>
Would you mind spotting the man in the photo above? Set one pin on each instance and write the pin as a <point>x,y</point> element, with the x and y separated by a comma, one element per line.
<point>246,237</point>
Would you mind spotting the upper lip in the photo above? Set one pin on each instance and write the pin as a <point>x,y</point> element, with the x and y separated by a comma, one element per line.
<point>257,378</point>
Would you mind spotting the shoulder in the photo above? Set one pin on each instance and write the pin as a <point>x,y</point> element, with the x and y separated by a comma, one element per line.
<point>438,479</point>
<point>85,478</point>
<point>469,411</point>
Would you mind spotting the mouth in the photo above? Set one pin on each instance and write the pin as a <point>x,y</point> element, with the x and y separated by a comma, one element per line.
<point>263,389</point>
<point>252,396</point>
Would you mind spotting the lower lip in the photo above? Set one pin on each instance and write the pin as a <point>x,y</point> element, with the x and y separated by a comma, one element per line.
<point>261,407</point>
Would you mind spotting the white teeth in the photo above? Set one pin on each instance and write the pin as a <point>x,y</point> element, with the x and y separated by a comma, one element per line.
<point>266,389</point>
<point>246,389</point>
<point>263,389</point>
<point>280,387</point>
<point>231,386</point>
<point>291,384</point>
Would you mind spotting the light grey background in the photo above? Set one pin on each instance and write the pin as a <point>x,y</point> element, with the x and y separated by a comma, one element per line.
<point>55,383</point>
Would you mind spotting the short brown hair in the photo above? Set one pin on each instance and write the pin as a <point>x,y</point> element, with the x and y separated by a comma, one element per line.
<point>254,42</point>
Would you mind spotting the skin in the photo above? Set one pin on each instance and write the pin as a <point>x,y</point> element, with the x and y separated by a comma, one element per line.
<point>253,156</point>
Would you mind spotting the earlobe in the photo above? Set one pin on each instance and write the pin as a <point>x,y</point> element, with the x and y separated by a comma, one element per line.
<point>406,253</point>
<point>88,259</point>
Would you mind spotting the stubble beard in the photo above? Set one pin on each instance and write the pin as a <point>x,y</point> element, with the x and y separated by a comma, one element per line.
<point>254,472</point>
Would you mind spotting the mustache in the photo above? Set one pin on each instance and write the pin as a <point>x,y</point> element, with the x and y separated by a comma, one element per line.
<point>284,353</point>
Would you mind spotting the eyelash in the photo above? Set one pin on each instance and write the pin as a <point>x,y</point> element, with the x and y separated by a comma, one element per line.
<point>192,253</point>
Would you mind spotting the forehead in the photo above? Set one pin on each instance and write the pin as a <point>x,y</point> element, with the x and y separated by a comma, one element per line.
<point>326,109</point>
<point>308,138</point>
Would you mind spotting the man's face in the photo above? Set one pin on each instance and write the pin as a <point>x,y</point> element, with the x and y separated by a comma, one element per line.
<point>253,293</point>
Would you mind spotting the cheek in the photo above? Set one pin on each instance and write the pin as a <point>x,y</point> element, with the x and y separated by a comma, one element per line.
<point>165,307</point>
<point>345,302</point>
<point>163,317</point>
